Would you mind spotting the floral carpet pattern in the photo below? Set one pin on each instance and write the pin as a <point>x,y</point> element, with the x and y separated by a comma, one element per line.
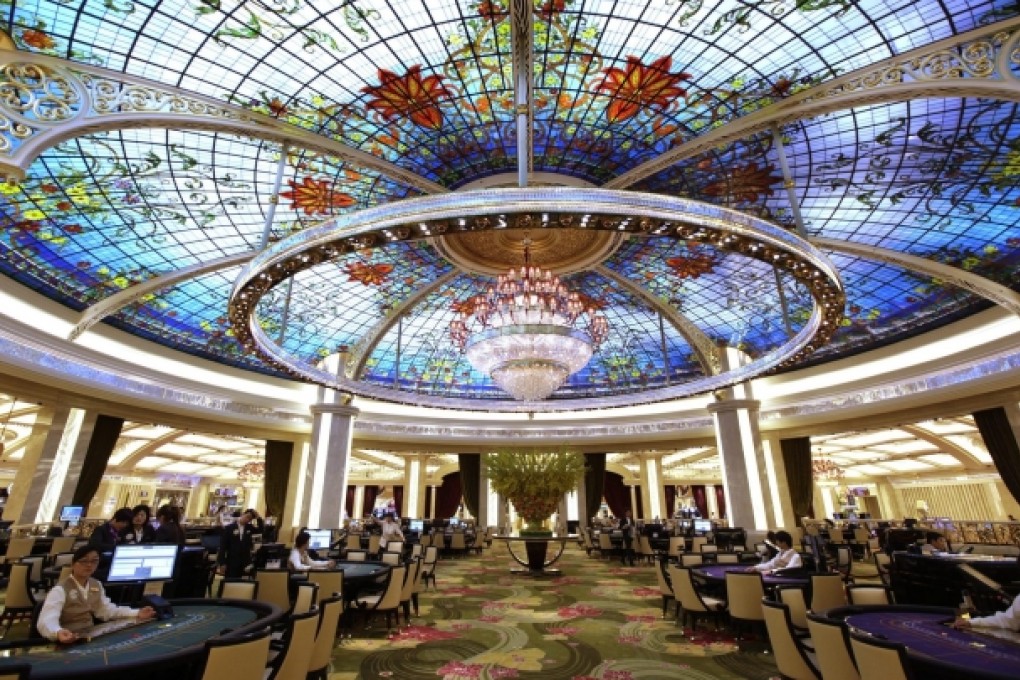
<point>598,620</point>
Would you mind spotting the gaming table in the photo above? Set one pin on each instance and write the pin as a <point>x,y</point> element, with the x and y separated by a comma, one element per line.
<point>934,648</point>
<point>172,648</point>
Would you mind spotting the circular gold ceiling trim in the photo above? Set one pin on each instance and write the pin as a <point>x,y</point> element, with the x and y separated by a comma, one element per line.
<point>564,251</point>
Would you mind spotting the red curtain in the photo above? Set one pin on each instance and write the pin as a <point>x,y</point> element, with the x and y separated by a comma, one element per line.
<point>428,501</point>
<point>616,493</point>
<point>700,500</point>
<point>639,511</point>
<point>720,500</point>
<point>349,501</point>
<point>371,492</point>
<point>398,499</point>
<point>448,496</point>
<point>670,500</point>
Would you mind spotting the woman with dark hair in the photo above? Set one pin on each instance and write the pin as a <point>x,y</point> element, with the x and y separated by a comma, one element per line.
<point>140,530</point>
<point>71,607</point>
<point>300,560</point>
<point>169,530</point>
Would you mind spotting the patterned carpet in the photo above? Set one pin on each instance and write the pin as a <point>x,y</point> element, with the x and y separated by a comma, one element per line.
<point>599,619</point>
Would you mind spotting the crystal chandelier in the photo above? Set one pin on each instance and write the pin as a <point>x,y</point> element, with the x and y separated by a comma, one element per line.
<point>528,332</point>
<point>825,470</point>
<point>252,472</point>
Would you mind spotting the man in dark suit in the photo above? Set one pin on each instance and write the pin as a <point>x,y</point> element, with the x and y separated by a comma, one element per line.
<point>234,554</point>
<point>106,536</point>
<point>627,527</point>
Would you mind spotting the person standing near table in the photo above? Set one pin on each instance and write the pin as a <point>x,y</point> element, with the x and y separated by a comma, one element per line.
<point>626,526</point>
<point>390,532</point>
<point>234,554</point>
<point>170,530</point>
<point>72,606</point>
<point>107,535</point>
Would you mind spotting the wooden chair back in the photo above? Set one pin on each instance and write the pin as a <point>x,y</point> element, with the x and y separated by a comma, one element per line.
<point>243,656</point>
<point>274,587</point>
<point>330,610</point>
<point>869,594</point>
<point>238,589</point>
<point>744,593</point>
<point>879,658</point>
<point>304,600</point>
<point>832,648</point>
<point>330,582</point>
<point>827,592</point>
<point>790,658</point>
<point>292,663</point>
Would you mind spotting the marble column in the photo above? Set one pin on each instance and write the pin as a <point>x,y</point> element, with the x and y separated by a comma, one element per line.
<point>51,464</point>
<point>712,501</point>
<point>741,454</point>
<point>653,496</point>
<point>414,485</point>
<point>329,461</point>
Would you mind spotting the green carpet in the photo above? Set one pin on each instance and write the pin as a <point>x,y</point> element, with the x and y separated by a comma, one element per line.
<point>598,620</point>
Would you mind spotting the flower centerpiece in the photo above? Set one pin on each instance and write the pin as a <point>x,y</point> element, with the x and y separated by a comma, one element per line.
<point>534,482</point>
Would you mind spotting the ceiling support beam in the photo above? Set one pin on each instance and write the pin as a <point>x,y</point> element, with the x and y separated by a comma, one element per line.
<point>110,305</point>
<point>522,47</point>
<point>99,100</point>
<point>703,347</point>
<point>977,63</point>
<point>979,285</point>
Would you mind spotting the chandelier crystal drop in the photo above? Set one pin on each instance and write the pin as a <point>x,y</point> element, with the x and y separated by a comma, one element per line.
<point>252,472</point>
<point>528,332</point>
<point>826,470</point>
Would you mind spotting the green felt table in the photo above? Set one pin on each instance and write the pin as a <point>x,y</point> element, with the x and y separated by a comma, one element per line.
<point>151,649</point>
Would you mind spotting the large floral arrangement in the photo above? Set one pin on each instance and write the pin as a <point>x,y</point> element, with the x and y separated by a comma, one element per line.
<point>533,481</point>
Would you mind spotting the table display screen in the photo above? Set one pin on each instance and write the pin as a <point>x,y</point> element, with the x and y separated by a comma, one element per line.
<point>71,513</point>
<point>703,525</point>
<point>145,562</point>
<point>417,525</point>
<point>319,539</point>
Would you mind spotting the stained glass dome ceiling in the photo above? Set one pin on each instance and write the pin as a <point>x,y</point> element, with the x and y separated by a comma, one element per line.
<point>168,142</point>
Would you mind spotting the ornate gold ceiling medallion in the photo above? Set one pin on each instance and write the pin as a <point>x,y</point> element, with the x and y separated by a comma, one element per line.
<point>564,251</point>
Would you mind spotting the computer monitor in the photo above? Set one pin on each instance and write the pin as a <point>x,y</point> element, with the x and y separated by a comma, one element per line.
<point>454,522</point>
<point>320,539</point>
<point>145,562</point>
<point>838,516</point>
<point>703,526</point>
<point>417,526</point>
<point>71,513</point>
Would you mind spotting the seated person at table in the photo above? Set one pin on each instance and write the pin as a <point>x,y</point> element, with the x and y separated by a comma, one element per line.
<point>769,549</point>
<point>106,536</point>
<point>1009,619</point>
<point>74,605</point>
<point>390,532</point>
<point>300,560</point>
<point>936,544</point>
<point>786,558</point>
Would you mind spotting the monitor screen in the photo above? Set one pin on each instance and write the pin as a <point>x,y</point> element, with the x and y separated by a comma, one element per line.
<point>71,513</point>
<point>417,526</point>
<point>703,525</point>
<point>454,521</point>
<point>838,516</point>
<point>145,562</point>
<point>320,539</point>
